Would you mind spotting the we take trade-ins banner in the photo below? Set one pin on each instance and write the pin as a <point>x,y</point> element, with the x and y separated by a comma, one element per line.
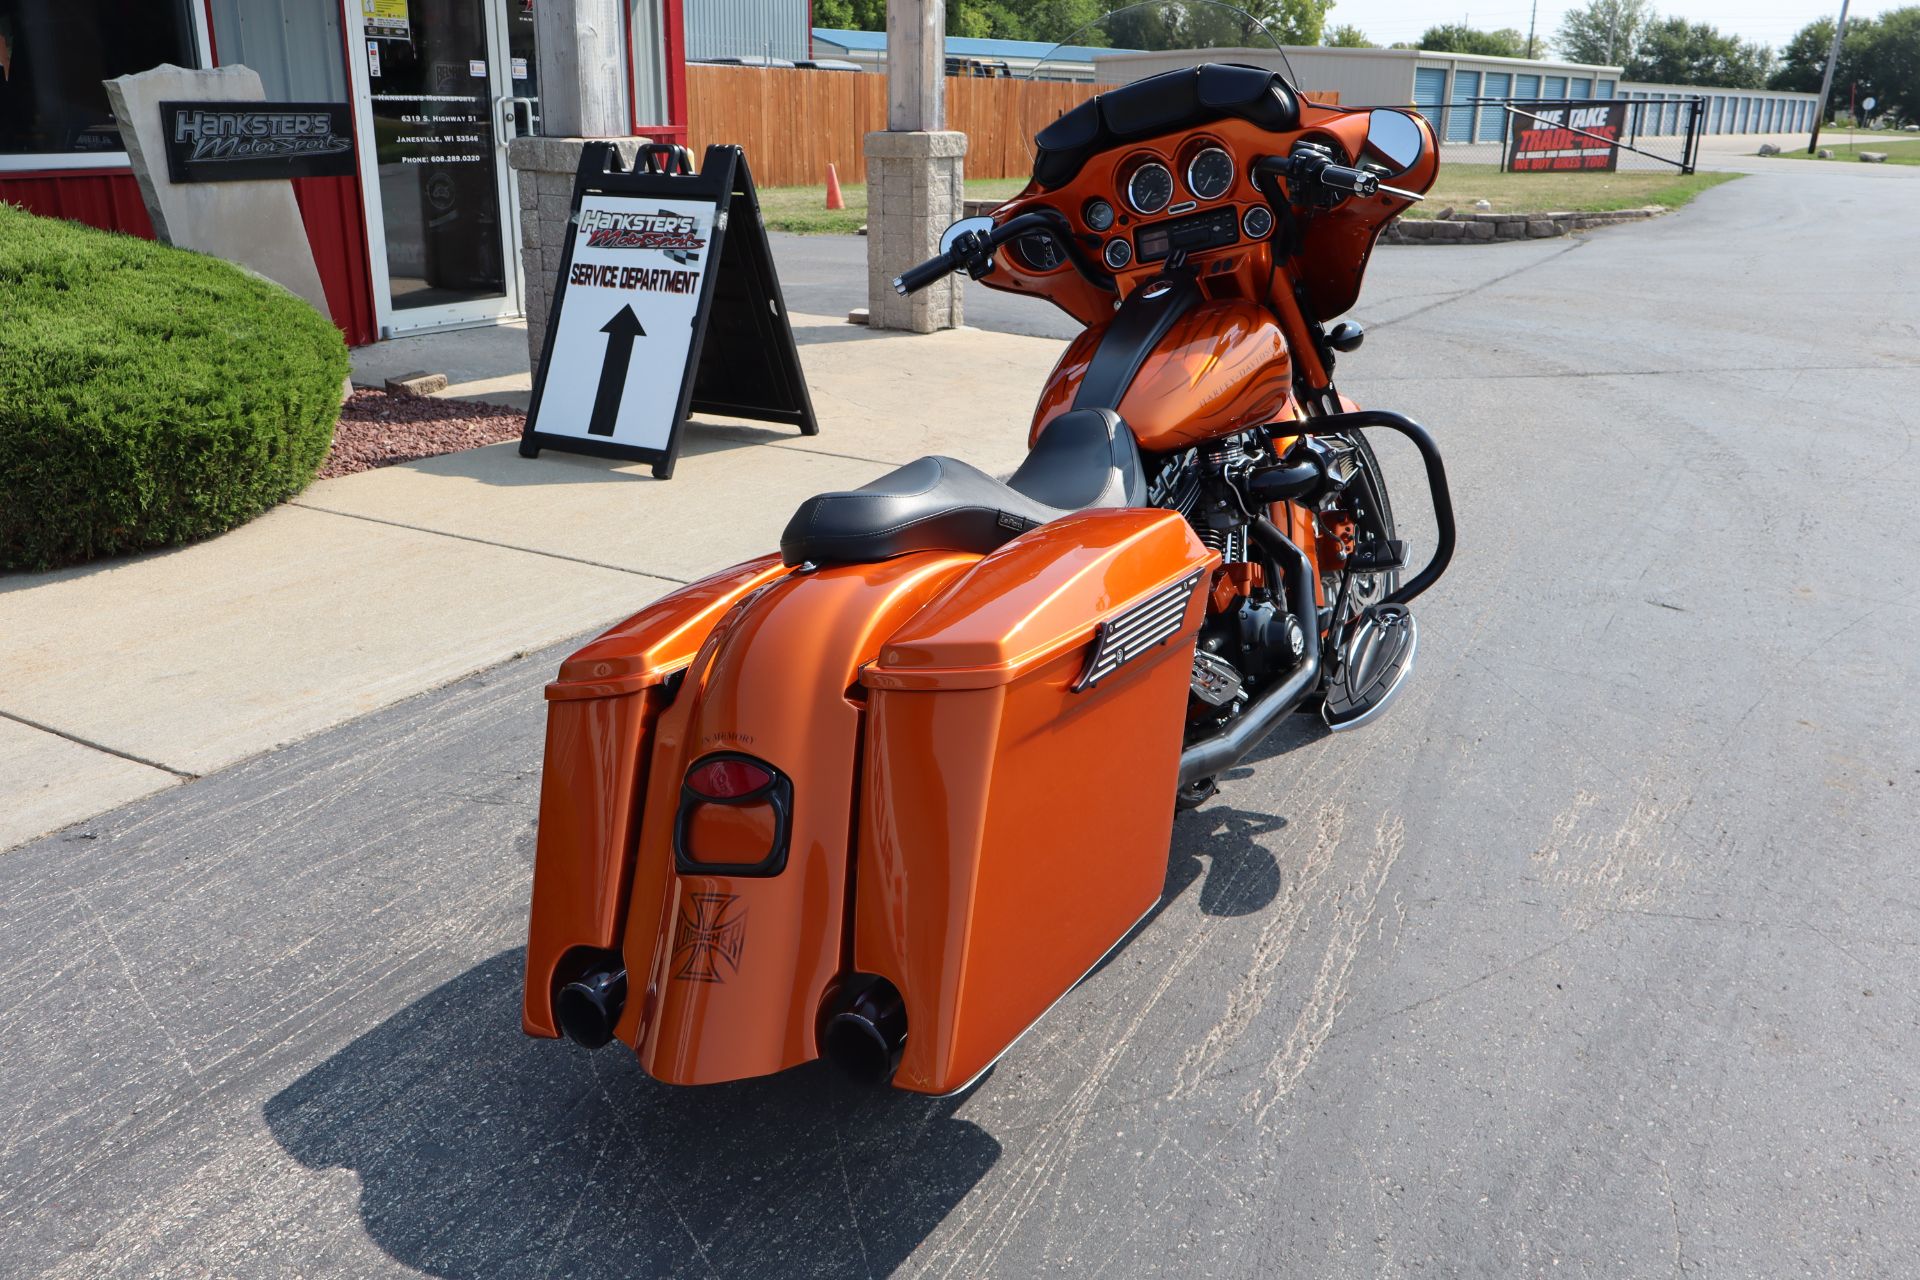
<point>1562,137</point>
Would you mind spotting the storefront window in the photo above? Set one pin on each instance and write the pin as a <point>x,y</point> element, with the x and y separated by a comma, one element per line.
<point>295,48</point>
<point>53,57</point>
<point>647,36</point>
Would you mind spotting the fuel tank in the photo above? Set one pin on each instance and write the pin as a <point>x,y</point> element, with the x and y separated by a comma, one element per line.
<point>1219,367</point>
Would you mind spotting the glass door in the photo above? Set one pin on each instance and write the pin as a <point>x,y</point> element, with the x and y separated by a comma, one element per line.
<point>440,78</point>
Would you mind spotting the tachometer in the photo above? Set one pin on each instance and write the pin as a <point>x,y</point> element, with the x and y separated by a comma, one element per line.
<point>1210,174</point>
<point>1150,188</point>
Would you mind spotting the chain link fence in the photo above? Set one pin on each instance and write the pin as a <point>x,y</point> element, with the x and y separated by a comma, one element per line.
<point>1571,134</point>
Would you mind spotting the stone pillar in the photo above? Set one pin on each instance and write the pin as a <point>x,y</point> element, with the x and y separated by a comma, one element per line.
<point>583,98</point>
<point>545,168</point>
<point>914,173</point>
<point>915,189</point>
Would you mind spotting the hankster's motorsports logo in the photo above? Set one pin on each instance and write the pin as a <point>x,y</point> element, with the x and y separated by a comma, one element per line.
<point>678,233</point>
<point>228,141</point>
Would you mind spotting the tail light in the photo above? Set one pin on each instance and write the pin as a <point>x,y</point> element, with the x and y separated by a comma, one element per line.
<point>734,818</point>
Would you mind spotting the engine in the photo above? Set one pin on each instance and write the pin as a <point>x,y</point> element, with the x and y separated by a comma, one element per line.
<point>1248,639</point>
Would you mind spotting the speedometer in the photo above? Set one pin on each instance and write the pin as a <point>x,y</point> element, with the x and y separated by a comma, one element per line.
<point>1210,174</point>
<point>1150,188</point>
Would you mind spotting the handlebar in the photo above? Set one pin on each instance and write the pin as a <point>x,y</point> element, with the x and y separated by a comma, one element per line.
<point>914,279</point>
<point>1309,163</point>
<point>974,252</point>
<point>1313,164</point>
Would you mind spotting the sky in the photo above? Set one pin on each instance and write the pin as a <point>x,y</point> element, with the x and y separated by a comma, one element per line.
<point>1773,21</point>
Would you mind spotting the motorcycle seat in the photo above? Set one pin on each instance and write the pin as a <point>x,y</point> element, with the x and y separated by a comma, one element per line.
<point>1084,458</point>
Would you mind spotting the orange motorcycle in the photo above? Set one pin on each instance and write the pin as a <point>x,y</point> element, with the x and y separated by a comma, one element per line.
<point>806,807</point>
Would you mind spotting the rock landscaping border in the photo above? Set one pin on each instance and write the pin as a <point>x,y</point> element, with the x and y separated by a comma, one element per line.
<point>1482,228</point>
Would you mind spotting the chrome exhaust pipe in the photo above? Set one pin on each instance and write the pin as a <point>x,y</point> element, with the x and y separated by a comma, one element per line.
<point>588,1008</point>
<point>866,1038</point>
<point>1211,756</point>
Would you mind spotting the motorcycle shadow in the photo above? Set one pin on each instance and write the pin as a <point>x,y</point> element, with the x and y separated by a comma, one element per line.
<point>481,1152</point>
<point>1242,872</point>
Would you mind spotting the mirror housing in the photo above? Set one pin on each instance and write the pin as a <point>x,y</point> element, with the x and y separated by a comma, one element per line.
<point>982,225</point>
<point>1395,140</point>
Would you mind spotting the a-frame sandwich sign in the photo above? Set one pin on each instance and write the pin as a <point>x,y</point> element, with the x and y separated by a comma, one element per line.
<point>667,304</point>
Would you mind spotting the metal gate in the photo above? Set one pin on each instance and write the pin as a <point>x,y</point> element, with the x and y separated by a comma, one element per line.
<point>1653,134</point>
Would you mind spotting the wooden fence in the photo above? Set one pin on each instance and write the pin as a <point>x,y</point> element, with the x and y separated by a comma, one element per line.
<point>794,123</point>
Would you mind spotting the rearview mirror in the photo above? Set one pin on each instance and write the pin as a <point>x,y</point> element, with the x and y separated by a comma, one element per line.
<point>1395,140</point>
<point>981,225</point>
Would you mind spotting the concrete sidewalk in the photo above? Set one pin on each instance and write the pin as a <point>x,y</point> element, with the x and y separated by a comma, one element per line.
<point>128,676</point>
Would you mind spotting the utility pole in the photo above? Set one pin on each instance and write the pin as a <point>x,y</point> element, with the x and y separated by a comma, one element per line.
<point>1826,81</point>
<point>1532,23</point>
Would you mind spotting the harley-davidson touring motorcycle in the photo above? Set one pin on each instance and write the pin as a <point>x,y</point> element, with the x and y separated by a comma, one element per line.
<point>804,808</point>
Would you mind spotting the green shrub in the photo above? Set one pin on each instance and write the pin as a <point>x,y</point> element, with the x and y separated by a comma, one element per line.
<point>148,395</point>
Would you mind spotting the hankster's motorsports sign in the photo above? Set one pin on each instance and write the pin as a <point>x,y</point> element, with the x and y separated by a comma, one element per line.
<point>247,141</point>
<point>1561,137</point>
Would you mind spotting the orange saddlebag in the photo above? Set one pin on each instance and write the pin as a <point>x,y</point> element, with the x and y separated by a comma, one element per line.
<point>1022,744</point>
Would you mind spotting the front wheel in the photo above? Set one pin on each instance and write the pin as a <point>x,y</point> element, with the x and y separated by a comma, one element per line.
<point>1366,502</point>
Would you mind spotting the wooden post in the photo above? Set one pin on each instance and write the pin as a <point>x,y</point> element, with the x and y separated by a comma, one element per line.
<point>916,65</point>
<point>583,69</point>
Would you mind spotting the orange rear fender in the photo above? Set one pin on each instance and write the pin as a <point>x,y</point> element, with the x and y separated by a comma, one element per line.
<point>600,717</point>
<point>726,972</point>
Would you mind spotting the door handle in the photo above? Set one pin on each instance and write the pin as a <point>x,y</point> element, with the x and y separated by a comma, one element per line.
<point>516,106</point>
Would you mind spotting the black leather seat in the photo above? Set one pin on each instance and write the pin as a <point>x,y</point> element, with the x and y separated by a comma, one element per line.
<point>1084,458</point>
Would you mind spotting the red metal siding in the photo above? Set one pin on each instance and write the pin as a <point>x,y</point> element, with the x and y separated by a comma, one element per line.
<point>330,207</point>
<point>105,198</point>
<point>337,230</point>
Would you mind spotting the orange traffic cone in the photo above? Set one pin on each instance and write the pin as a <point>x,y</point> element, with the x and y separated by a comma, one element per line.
<point>834,199</point>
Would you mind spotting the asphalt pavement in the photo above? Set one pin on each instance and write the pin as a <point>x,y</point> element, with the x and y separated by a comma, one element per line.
<point>1597,956</point>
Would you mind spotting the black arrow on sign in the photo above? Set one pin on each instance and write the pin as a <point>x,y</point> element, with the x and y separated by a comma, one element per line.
<point>620,331</point>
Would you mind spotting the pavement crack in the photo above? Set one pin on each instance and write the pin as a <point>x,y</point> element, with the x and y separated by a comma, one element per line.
<point>1484,285</point>
<point>489,542</point>
<point>101,747</point>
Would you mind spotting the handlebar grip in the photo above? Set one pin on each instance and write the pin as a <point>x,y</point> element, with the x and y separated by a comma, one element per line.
<point>914,279</point>
<point>1341,178</point>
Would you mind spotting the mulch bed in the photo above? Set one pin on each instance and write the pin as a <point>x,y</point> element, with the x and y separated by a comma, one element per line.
<point>378,430</point>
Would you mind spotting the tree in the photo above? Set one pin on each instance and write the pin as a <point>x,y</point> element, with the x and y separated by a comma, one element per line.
<point>1047,20</point>
<point>1211,25</point>
<point>1675,51</point>
<point>1880,58</point>
<point>1603,32</point>
<point>1347,36</point>
<point>1455,37</point>
<point>850,15</point>
<point>1890,64</point>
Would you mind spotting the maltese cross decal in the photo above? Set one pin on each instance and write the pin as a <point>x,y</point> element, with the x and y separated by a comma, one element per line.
<point>711,930</point>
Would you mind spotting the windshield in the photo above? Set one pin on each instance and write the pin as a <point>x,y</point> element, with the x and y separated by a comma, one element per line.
<point>1138,40</point>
